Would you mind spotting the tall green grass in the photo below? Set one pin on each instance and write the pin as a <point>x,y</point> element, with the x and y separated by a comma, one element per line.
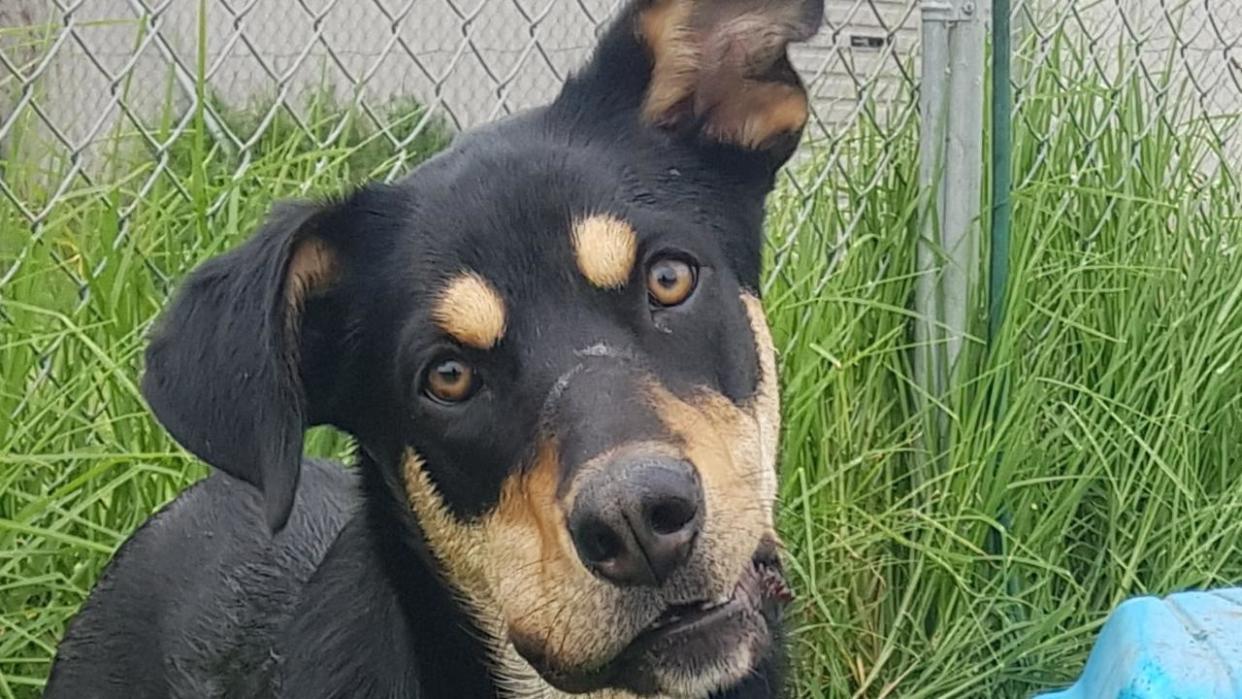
<point>1104,421</point>
<point>1104,425</point>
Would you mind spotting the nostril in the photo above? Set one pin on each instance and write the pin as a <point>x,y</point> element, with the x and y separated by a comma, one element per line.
<point>597,542</point>
<point>670,516</point>
<point>637,522</point>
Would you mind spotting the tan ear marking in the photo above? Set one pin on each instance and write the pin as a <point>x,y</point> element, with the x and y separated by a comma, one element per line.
<point>724,62</point>
<point>761,112</point>
<point>605,248</point>
<point>312,266</point>
<point>675,57</point>
<point>471,311</point>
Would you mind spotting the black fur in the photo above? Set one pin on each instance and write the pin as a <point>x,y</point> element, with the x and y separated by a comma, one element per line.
<point>317,582</point>
<point>230,325</point>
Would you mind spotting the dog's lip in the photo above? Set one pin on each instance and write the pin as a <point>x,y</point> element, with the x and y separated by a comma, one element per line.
<point>761,589</point>
<point>679,618</point>
<point>760,592</point>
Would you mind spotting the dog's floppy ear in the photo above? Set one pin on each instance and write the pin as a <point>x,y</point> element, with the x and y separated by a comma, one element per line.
<point>223,367</point>
<point>718,69</point>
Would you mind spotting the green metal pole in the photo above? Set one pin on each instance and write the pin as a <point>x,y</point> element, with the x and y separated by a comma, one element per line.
<point>1002,162</point>
<point>998,263</point>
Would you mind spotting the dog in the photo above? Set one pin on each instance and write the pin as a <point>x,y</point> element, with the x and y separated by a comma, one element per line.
<point>547,345</point>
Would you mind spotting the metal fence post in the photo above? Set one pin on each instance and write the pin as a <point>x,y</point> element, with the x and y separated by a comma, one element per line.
<point>1002,162</point>
<point>950,176</point>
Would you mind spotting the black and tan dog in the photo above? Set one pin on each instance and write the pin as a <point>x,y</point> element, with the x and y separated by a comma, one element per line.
<point>547,345</point>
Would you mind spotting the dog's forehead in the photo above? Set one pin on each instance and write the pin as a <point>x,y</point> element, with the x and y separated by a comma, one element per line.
<point>547,216</point>
<point>531,218</point>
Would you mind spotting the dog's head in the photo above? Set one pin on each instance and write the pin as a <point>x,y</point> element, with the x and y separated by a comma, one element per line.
<point>547,340</point>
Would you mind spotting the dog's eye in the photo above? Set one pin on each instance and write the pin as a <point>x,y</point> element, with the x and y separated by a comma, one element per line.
<point>450,381</point>
<point>670,281</point>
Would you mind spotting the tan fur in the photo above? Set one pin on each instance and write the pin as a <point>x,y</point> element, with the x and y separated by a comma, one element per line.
<point>759,113</point>
<point>734,449</point>
<point>605,248</point>
<point>311,267</point>
<point>767,400</point>
<point>471,311</point>
<point>518,564</point>
<point>708,61</point>
<point>500,555</point>
<point>515,568</point>
<point>665,29</point>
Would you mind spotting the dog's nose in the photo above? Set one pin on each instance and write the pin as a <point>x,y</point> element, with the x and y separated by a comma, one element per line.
<point>635,522</point>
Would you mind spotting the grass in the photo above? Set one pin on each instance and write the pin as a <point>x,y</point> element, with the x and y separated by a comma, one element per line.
<point>1103,425</point>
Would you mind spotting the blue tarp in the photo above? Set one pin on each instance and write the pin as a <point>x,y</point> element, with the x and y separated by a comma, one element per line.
<point>1184,646</point>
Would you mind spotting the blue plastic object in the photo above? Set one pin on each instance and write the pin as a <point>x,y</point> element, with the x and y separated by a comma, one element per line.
<point>1185,646</point>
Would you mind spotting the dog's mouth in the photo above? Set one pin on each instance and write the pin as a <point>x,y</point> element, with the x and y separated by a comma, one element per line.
<point>692,649</point>
<point>761,588</point>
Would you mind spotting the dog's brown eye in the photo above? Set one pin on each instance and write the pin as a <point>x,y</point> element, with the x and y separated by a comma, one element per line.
<point>450,381</point>
<point>670,281</point>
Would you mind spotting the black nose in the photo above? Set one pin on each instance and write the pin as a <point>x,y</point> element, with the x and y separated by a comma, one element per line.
<point>635,522</point>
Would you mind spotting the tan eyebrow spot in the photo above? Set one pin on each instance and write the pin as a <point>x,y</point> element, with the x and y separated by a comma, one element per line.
<point>471,310</point>
<point>605,248</point>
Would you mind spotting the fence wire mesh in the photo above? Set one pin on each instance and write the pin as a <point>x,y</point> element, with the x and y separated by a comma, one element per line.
<point>83,81</point>
<point>80,81</point>
<point>116,98</point>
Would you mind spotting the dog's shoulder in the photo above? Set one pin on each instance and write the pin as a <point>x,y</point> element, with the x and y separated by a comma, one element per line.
<point>193,601</point>
<point>348,634</point>
<point>203,602</point>
<point>377,620</point>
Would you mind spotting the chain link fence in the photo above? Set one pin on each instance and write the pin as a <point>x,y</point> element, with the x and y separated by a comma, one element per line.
<point>78,80</point>
<point>83,80</point>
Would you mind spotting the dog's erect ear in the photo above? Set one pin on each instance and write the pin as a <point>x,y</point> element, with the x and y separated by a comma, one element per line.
<point>718,68</point>
<point>223,370</point>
